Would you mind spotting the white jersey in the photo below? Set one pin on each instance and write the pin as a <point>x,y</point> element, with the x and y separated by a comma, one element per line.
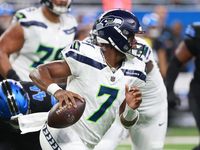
<point>152,124</point>
<point>154,82</point>
<point>103,90</point>
<point>44,40</point>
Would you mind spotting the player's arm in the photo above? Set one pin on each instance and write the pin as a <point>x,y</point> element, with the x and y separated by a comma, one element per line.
<point>11,41</point>
<point>43,77</point>
<point>162,57</point>
<point>182,55</point>
<point>128,110</point>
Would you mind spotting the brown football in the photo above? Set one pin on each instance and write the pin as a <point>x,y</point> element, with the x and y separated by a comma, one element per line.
<point>64,117</point>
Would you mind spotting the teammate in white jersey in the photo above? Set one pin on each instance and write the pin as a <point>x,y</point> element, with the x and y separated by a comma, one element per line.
<point>150,130</point>
<point>36,36</point>
<point>107,77</point>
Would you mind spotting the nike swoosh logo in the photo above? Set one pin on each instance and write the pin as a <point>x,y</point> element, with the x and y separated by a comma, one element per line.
<point>160,124</point>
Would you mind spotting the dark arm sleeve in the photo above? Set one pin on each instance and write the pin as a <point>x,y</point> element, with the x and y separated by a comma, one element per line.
<point>172,73</point>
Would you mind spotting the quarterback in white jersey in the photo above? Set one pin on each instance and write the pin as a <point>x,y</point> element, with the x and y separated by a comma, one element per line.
<point>150,130</point>
<point>41,35</point>
<point>104,91</point>
<point>102,76</point>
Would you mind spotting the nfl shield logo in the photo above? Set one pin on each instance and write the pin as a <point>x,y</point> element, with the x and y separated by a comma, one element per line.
<point>70,117</point>
<point>112,79</point>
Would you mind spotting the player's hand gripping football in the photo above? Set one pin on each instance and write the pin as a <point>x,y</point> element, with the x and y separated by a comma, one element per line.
<point>133,96</point>
<point>67,97</point>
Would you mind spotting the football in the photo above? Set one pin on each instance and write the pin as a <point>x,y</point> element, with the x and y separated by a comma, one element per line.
<point>64,117</point>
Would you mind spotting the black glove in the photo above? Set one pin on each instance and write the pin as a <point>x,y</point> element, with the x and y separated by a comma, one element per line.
<point>173,100</point>
<point>11,74</point>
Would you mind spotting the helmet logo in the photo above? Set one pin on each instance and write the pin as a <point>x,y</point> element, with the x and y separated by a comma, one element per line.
<point>110,21</point>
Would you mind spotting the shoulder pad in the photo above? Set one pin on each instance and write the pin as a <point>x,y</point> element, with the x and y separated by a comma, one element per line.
<point>24,13</point>
<point>193,30</point>
<point>77,45</point>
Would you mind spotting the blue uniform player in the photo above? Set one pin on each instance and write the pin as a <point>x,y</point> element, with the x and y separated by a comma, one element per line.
<point>187,50</point>
<point>16,99</point>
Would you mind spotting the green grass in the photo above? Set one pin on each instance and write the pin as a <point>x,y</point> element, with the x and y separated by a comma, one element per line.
<point>123,147</point>
<point>173,131</point>
<point>166,147</point>
<point>177,147</point>
<point>182,131</point>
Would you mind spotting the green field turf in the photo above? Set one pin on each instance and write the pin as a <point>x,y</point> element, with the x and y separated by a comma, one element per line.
<point>182,131</point>
<point>179,147</point>
<point>166,147</point>
<point>173,132</point>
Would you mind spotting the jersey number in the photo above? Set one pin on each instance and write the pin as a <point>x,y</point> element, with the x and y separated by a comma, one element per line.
<point>113,93</point>
<point>49,51</point>
<point>41,95</point>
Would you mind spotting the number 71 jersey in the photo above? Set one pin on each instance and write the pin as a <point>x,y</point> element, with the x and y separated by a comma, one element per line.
<point>44,40</point>
<point>103,90</point>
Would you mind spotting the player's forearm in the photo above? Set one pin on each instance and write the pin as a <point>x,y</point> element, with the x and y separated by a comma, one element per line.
<point>172,73</point>
<point>128,109</point>
<point>129,117</point>
<point>5,65</point>
<point>41,77</point>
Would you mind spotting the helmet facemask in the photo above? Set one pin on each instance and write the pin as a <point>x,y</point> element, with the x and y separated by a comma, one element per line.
<point>14,100</point>
<point>61,9</point>
<point>136,49</point>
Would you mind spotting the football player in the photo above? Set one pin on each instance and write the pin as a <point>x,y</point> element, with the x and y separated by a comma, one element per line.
<point>36,36</point>
<point>16,99</point>
<point>187,50</point>
<point>150,130</point>
<point>107,78</point>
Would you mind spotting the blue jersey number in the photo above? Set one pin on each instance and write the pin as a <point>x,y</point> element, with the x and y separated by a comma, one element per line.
<point>113,93</point>
<point>41,95</point>
<point>48,51</point>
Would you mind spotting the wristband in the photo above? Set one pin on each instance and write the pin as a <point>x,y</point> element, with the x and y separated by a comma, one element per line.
<point>52,88</point>
<point>11,74</point>
<point>130,114</point>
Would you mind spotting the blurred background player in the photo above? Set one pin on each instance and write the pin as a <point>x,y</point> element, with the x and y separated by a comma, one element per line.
<point>16,99</point>
<point>186,50</point>
<point>153,37</point>
<point>6,14</point>
<point>166,34</point>
<point>36,36</point>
